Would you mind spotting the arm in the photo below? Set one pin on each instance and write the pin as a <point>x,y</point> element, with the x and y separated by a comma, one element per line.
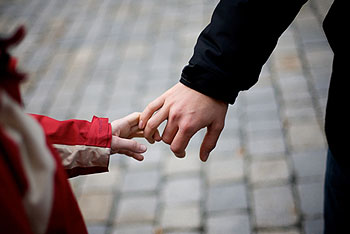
<point>232,49</point>
<point>85,146</point>
<point>228,58</point>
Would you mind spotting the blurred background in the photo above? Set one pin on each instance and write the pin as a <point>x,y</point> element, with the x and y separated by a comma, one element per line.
<point>110,58</point>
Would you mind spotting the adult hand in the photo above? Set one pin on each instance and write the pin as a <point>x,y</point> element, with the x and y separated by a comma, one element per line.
<point>122,131</point>
<point>186,111</point>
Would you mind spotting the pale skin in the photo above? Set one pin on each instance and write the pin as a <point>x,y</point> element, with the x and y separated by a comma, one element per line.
<point>122,131</point>
<point>186,111</point>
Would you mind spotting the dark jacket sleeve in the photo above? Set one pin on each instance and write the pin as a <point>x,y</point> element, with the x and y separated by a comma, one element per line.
<point>232,49</point>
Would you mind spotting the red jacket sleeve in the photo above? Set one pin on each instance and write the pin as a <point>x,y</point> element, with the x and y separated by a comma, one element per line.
<point>84,146</point>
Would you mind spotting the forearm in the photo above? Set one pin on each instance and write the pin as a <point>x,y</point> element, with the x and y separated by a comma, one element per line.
<point>84,146</point>
<point>232,49</point>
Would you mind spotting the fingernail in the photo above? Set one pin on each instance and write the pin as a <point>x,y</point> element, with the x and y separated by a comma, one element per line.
<point>141,124</point>
<point>206,156</point>
<point>143,148</point>
<point>158,138</point>
<point>181,155</point>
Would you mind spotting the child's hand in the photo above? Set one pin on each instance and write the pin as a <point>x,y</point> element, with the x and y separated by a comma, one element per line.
<point>122,131</point>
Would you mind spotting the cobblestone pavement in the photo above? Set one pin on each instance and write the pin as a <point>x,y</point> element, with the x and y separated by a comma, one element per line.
<point>110,58</point>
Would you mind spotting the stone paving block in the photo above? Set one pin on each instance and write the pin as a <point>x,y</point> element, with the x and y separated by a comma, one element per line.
<point>226,198</point>
<point>305,12</point>
<point>323,7</point>
<point>313,226</point>
<point>218,155</point>
<point>269,171</point>
<point>152,157</point>
<point>288,61</point>
<point>307,135</point>
<point>287,41</point>
<point>183,232</point>
<point>225,170</point>
<point>224,224</point>
<point>262,133</point>
<point>294,116</point>
<point>229,143</point>
<point>189,164</point>
<point>301,100</point>
<point>265,148</point>
<point>97,229</point>
<point>262,112</point>
<point>263,107</point>
<point>136,209</point>
<point>258,95</point>
<point>184,217</point>
<point>310,31</point>
<point>76,184</point>
<point>292,84</point>
<point>134,229</point>
<point>311,198</point>
<point>264,126</point>
<point>146,181</point>
<point>232,120</point>
<point>274,206</point>
<point>102,182</point>
<point>96,207</point>
<point>322,57</point>
<point>280,232</point>
<point>311,163</point>
<point>182,190</point>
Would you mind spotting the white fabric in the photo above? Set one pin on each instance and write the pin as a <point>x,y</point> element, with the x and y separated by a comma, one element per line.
<point>83,156</point>
<point>38,163</point>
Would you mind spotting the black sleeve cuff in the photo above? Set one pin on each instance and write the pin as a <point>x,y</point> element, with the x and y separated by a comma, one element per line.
<point>208,83</point>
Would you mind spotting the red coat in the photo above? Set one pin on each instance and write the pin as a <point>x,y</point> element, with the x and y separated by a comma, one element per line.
<point>37,154</point>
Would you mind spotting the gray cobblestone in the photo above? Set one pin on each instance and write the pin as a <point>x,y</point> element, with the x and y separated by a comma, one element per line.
<point>190,164</point>
<point>104,182</point>
<point>184,232</point>
<point>269,171</point>
<point>224,224</point>
<point>274,207</point>
<point>181,217</point>
<point>136,209</point>
<point>182,190</point>
<point>306,135</point>
<point>96,207</point>
<point>310,164</point>
<point>226,197</point>
<point>96,229</point>
<point>311,198</point>
<point>140,181</point>
<point>313,226</point>
<point>280,232</point>
<point>265,148</point>
<point>225,170</point>
<point>135,229</point>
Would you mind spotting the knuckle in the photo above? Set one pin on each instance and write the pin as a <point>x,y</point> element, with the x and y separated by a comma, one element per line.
<point>152,105</point>
<point>134,144</point>
<point>136,114</point>
<point>147,111</point>
<point>166,140</point>
<point>218,127</point>
<point>187,127</point>
<point>175,114</point>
